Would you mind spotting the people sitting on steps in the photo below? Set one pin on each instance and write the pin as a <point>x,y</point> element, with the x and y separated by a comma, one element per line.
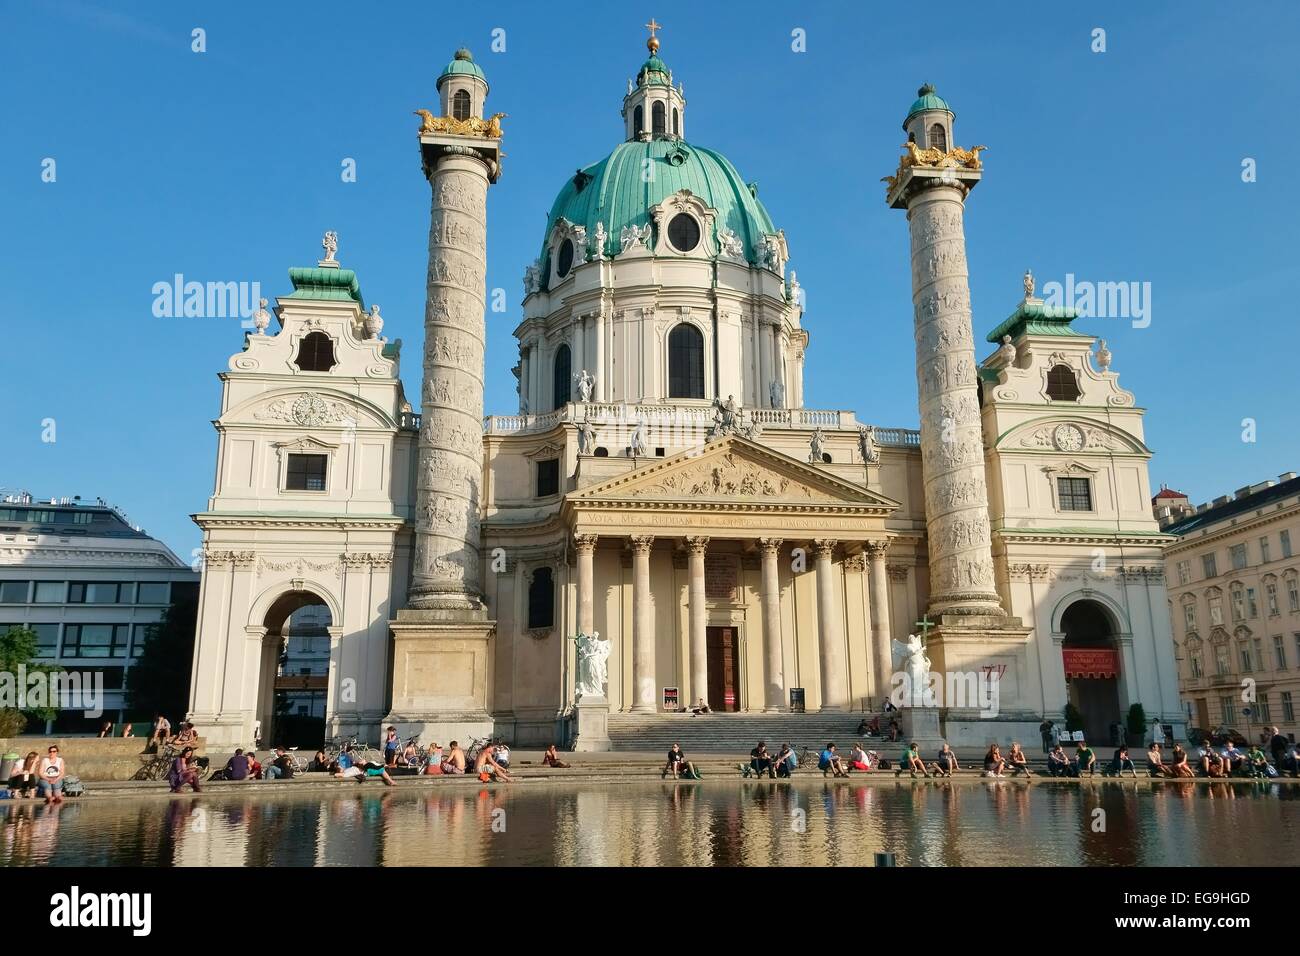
<point>911,762</point>
<point>678,765</point>
<point>760,761</point>
<point>787,761</point>
<point>946,762</point>
<point>1017,760</point>
<point>831,762</point>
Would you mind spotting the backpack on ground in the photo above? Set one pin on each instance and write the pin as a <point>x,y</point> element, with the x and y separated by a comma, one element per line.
<point>73,787</point>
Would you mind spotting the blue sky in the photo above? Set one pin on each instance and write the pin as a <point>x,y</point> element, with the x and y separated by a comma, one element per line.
<point>225,166</point>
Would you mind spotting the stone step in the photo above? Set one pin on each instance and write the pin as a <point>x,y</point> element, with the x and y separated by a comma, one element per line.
<point>729,733</point>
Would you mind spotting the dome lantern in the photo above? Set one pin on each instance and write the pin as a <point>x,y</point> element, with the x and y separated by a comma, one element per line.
<point>462,87</point>
<point>929,121</point>
<point>653,108</point>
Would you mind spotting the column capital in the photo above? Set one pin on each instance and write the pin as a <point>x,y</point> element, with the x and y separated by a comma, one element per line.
<point>825,547</point>
<point>876,549</point>
<point>641,543</point>
<point>697,544</point>
<point>585,543</point>
<point>770,546</point>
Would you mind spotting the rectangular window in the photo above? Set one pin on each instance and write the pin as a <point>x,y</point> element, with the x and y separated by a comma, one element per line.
<point>1238,555</point>
<point>1195,661</point>
<point>1216,610</point>
<point>50,592</point>
<point>306,473</point>
<point>1252,606</point>
<point>1293,593</point>
<point>92,592</point>
<point>1288,708</point>
<point>1222,666</point>
<point>47,638</point>
<point>1263,550</point>
<point>1209,566</point>
<point>1286,543</point>
<point>154,592</point>
<point>95,640</point>
<point>141,633</point>
<point>1270,594</point>
<point>1184,572</point>
<point>14,592</point>
<point>548,477</point>
<point>1265,711</point>
<point>1189,617</point>
<point>1259,653</point>
<point>1074,494</point>
<point>1245,659</point>
<point>1225,709</point>
<point>1279,652</point>
<point>1238,604</point>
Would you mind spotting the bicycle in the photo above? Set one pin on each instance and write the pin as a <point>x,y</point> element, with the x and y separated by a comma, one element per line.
<point>157,766</point>
<point>361,752</point>
<point>419,759</point>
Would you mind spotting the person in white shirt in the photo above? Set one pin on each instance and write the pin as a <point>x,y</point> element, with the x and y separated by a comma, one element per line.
<point>502,755</point>
<point>162,731</point>
<point>52,774</point>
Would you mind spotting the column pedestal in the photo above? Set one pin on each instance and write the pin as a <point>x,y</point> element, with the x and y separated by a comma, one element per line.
<point>591,725</point>
<point>442,674</point>
<point>921,724</point>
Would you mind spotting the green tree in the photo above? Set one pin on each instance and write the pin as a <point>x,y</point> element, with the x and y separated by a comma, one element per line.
<point>18,655</point>
<point>159,681</point>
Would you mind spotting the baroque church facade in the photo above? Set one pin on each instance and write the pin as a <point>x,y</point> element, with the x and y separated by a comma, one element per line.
<point>662,488</point>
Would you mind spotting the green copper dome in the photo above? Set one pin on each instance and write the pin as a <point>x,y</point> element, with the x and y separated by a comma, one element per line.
<point>654,71</point>
<point>615,192</point>
<point>927,99</point>
<point>463,62</point>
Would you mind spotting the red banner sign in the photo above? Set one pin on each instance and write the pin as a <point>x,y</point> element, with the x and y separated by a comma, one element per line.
<point>1090,662</point>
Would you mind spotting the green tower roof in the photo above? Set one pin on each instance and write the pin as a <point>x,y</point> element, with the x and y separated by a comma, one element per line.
<point>654,70</point>
<point>927,99</point>
<point>462,62</point>
<point>333,284</point>
<point>1035,318</point>
<point>615,191</point>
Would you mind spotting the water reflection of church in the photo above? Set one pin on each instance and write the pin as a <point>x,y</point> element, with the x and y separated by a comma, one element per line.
<point>662,481</point>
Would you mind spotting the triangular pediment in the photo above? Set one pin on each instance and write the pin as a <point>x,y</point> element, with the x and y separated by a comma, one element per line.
<point>734,470</point>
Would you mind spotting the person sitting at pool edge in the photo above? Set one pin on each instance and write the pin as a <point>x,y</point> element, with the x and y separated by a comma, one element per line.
<point>1156,766</point>
<point>994,762</point>
<point>858,759</point>
<point>911,762</point>
<point>1018,761</point>
<point>1058,764</point>
<point>1085,761</point>
<point>552,759</point>
<point>1179,765</point>
<point>831,763</point>
<point>946,762</point>
<point>786,761</point>
<point>1120,761</point>
<point>677,764</point>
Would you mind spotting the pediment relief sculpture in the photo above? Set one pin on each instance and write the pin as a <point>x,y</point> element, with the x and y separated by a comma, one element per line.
<point>729,476</point>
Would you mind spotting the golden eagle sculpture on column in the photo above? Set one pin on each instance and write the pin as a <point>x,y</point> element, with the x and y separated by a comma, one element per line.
<point>489,128</point>
<point>934,159</point>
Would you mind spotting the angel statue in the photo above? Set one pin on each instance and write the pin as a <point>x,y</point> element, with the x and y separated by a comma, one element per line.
<point>910,657</point>
<point>638,444</point>
<point>585,384</point>
<point>330,243</point>
<point>593,653</point>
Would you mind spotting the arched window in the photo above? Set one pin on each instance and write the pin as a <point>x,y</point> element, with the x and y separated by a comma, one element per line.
<point>657,123</point>
<point>541,599</point>
<point>677,122</point>
<point>316,353</point>
<point>638,121</point>
<point>1062,386</point>
<point>685,362</point>
<point>562,389</point>
<point>938,138</point>
<point>460,105</point>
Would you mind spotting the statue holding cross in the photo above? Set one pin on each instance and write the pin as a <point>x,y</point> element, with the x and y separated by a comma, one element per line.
<point>911,657</point>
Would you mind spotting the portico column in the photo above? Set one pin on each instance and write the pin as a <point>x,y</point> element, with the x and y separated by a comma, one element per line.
<point>699,621</point>
<point>835,678</point>
<point>880,635</point>
<point>771,597</point>
<point>585,545</point>
<point>525,390</point>
<point>643,636</point>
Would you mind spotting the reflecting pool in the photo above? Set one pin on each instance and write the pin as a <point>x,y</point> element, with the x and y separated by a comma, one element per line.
<point>712,823</point>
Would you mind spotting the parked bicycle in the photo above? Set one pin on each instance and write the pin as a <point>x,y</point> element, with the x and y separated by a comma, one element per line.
<point>360,750</point>
<point>414,757</point>
<point>156,766</point>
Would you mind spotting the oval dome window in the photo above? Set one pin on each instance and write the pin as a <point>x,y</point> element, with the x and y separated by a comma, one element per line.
<point>564,261</point>
<point>683,232</point>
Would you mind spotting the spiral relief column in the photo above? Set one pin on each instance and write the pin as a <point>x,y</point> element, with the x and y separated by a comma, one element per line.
<point>442,640</point>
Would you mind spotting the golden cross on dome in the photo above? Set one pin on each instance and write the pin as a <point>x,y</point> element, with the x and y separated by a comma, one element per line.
<point>652,27</point>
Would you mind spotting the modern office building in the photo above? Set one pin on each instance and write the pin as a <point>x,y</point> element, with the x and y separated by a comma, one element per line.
<point>88,584</point>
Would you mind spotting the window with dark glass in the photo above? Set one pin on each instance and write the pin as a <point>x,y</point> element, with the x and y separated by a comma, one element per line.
<point>561,383</point>
<point>306,473</point>
<point>657,124</point>
<point>548,477</point>
<point>316,353</point>
<point>1062,386</point>
<point>564,260</point>
<point>677,122</point>
<point>139,638</point>
<point>93,592</point>
<point>460,105</point>
<point>95,640</point>
<point>47,639</point>
<point>156,592</point>
<point>50,592</point>
<point>14,592</point>
<point>541,599</point>
<point>638,120</point>
<point>685,362</point>
<point>938,138</point>
<point>1074,494</point>
<point>683,232</point>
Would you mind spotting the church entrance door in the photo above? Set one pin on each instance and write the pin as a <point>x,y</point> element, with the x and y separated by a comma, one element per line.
<point>724,669</point>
